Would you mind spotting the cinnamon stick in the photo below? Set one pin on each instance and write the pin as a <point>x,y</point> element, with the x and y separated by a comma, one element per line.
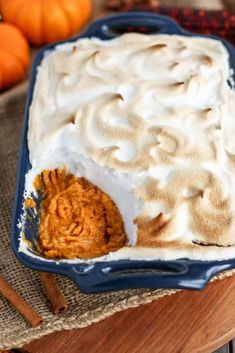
<point>54,293</point>
<point>26,311</point>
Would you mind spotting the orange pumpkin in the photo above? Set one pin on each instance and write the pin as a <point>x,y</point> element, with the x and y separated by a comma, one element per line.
<point>46,21</point>
<point>14,55</point>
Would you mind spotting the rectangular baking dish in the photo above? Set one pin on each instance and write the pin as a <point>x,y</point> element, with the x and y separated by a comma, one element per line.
<point>124,274</point>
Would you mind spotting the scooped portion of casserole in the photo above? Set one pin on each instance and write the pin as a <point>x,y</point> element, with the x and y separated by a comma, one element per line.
<point>149,121</point>
<point>77,220</point>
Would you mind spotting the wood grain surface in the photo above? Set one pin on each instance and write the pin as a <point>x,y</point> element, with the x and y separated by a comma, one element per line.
<point>187,322</point>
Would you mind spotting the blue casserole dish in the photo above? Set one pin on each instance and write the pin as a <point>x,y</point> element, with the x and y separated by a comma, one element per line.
<point>115,275</point>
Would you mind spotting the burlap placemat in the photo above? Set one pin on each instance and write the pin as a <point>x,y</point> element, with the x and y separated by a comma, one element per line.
<point>83,309</point>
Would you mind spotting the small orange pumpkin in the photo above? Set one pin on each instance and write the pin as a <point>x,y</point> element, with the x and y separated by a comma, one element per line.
<point>46,21</point>
<point>14,55</point>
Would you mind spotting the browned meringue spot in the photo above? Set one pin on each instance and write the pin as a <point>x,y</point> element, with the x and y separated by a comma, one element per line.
<point>174,64</point>
<point>72,119</point>
<point>77,220</point>
<point>158,46</point>
<point>152,48</point>
<point>207,60</point>
<point>203,243</point>
<point>177,84</point>
<point>94,54</point>
<point>153,230</point>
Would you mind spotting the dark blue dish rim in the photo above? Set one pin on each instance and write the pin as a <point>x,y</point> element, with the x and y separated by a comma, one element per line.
<point>123,274</point>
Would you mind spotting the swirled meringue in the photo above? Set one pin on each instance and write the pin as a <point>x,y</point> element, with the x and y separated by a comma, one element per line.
<point>149,120</point>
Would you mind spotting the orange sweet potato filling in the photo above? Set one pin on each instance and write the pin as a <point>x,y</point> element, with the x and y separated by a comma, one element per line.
<point>77,220</point>
<point>30,203</point>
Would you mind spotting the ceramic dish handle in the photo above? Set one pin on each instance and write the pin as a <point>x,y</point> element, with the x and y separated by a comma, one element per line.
<point>120,275</point>
<point>144,22</point>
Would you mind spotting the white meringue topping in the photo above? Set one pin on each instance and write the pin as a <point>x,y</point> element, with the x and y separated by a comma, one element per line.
<point>149,120</point>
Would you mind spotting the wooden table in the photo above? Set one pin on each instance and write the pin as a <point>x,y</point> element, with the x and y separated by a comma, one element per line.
<point>187,322</point>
